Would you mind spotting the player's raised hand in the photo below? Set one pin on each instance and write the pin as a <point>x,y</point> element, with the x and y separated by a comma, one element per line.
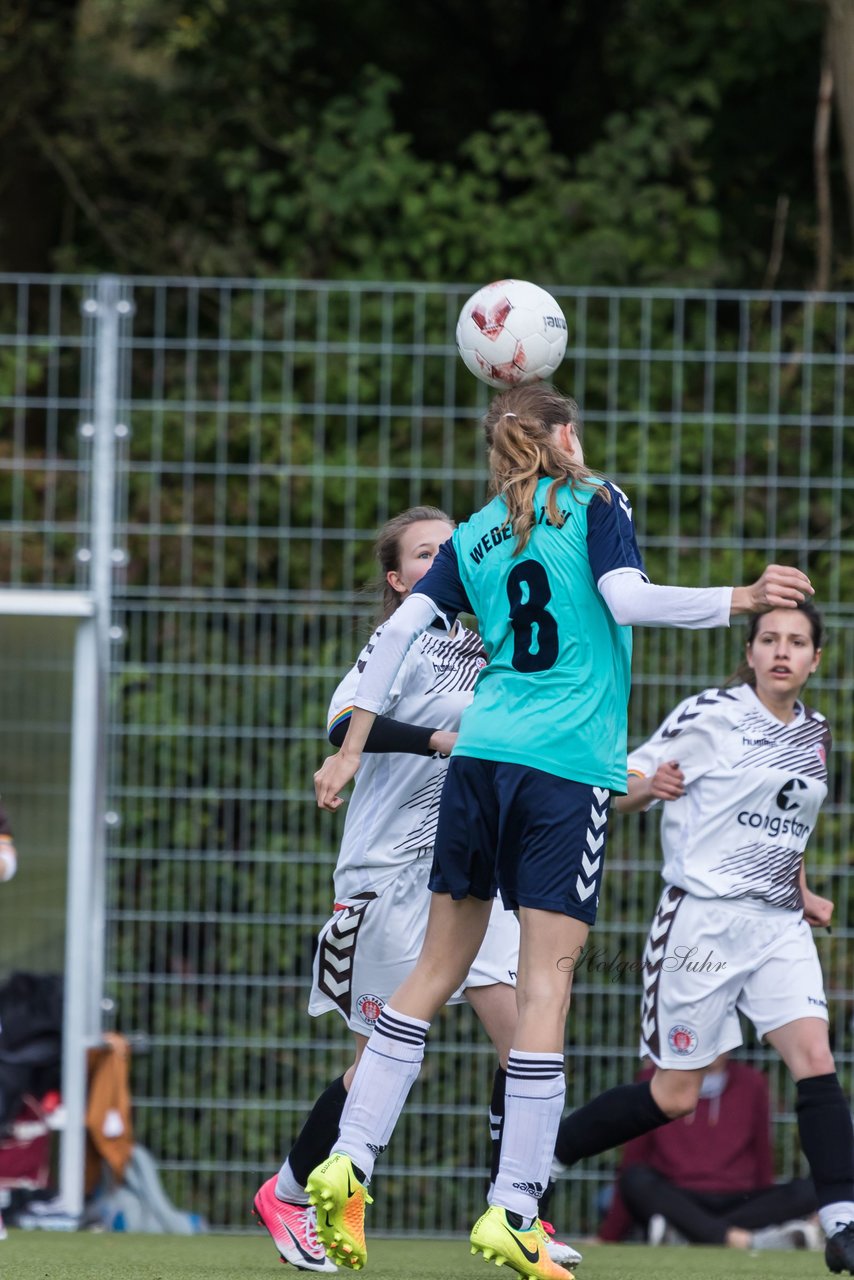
<point>668,781</point>
<point>332,777</point>
<point>780,587</point>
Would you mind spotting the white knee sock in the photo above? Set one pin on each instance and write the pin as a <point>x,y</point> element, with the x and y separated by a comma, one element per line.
<point>536,1089</point>
<point>287,1186</point>
<point>387,1071</point>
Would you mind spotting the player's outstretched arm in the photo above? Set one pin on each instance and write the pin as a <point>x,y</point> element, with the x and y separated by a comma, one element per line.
<point>780,587</point>
<point>336,771</point>
<point>667,783</point>
<point>390,648</point>
<point>634,601</point>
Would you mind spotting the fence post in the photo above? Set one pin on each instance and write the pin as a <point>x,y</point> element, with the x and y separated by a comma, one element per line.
<point>84,950</point>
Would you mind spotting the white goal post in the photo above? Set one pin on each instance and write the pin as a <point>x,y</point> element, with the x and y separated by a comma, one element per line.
<point>70,620</point>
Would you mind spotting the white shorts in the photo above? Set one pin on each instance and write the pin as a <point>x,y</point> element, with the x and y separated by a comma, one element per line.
<point>706,960</point>
<point>367,949</point>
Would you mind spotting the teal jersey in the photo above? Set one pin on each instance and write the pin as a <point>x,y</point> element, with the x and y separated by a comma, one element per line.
<point>554,692</point>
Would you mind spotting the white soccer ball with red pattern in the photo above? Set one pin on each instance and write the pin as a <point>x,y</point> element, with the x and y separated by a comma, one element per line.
<point>510,332</point>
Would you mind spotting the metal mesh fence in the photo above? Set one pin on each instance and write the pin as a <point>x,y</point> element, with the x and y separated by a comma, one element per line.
<point>264,430</point>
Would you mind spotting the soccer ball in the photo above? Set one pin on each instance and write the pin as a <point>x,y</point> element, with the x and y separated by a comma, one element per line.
<point>511,332</point>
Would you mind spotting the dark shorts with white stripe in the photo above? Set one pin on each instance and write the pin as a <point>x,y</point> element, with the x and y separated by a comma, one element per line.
<point>538,838</point>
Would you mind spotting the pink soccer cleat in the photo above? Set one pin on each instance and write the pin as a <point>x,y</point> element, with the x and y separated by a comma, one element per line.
<point>293,1228</point>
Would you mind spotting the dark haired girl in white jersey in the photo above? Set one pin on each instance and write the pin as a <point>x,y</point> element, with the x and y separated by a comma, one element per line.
<point>742,771</point>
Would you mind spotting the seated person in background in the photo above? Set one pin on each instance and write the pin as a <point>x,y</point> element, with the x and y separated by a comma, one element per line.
<point>709,1176</point>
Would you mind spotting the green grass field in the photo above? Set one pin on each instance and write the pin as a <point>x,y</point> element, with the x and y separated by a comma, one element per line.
<point>86,1256</point>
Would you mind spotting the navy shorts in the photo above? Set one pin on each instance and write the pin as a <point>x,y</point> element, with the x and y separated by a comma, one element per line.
<point>538,838</point>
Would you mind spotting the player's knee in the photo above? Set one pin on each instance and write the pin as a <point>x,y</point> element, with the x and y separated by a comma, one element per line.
<point>544,999</point>
<point>441,972</point>
<point>676,1093</point>
<point>814,1060</point>
<point>676,1108</point>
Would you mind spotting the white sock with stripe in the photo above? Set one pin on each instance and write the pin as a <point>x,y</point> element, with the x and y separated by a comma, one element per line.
<point>387,1071</point>
<point>534,1098</point>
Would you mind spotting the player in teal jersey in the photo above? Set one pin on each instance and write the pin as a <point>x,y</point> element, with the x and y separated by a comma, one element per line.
<point>552,571</point>
<point>560,670</point>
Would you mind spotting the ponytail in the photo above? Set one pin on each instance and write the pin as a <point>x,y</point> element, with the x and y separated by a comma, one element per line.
<point>519,426</point>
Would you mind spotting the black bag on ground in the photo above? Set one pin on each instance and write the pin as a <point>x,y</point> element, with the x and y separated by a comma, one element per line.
<point>30,1038</point>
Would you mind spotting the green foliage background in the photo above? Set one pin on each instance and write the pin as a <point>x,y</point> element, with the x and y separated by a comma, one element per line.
<point>626,143</point>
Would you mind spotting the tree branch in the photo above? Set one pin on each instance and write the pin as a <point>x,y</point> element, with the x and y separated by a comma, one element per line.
<point>75,188</point>
<point>824,210</point>
<point>778,239</point>
<point>839,35</point>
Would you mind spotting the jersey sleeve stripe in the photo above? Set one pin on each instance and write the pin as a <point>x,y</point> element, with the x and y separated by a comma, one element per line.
<point>336,720</point>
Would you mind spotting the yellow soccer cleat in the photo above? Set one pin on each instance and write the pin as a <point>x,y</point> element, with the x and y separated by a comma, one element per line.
<point>340,1200</point>
<point>523,1251</point>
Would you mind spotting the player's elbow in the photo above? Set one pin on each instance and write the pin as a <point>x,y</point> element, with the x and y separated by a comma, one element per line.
<point>621,612</point>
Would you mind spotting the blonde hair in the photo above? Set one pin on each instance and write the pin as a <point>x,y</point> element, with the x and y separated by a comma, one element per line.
<point>519,426</point>
<point>387,552</point>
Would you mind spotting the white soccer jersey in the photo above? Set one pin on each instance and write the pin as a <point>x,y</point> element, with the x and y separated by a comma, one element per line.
<point>394,806</point>
<point>754,787</point>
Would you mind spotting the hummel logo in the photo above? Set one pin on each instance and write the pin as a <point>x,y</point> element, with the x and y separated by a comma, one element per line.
<point>534,1257</point>
<point>624,500</point>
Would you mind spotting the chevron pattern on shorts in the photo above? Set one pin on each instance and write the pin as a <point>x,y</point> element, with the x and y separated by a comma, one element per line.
<point>335,960</point>
<point>654,953</point>
<point>591,856</point>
